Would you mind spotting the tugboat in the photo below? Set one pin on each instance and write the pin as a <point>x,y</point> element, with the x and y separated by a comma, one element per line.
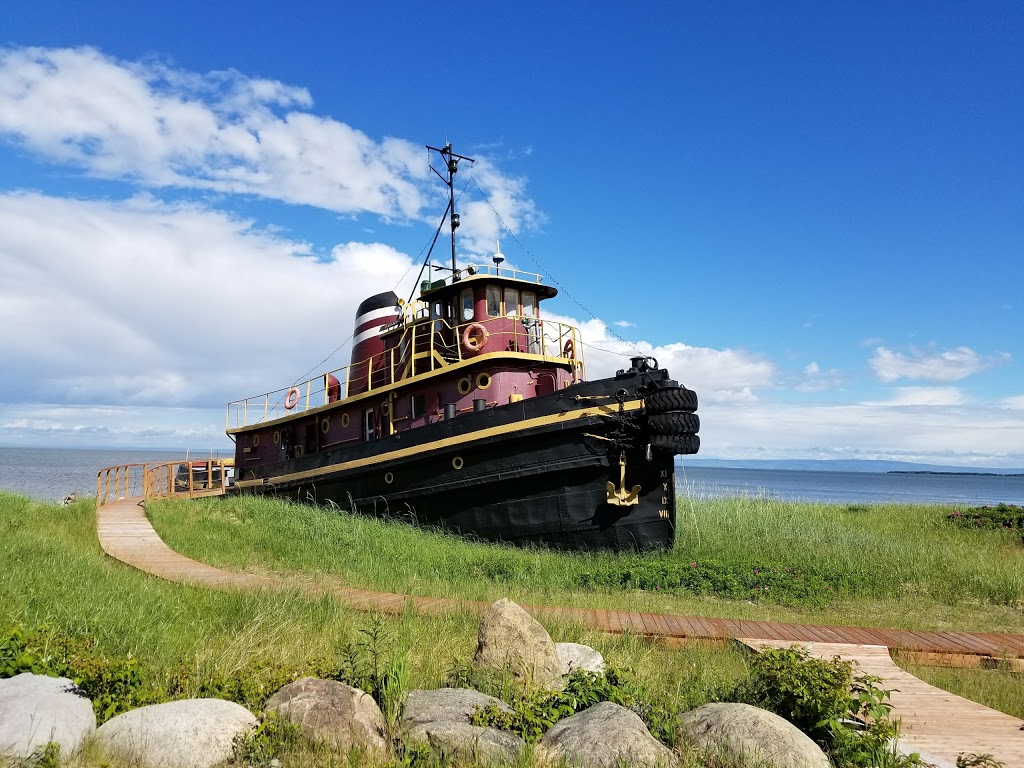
<point>464,408</point>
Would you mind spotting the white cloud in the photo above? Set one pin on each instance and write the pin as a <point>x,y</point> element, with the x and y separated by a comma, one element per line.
<point>719,375</point>
<point>158,126</point>
<point>936,434</point>
<point>1016,403</point>
<point>624,324</point>
<point>921,396</point>
<point>817,380</point>
<point>950,365</point>
<point>141,302</point>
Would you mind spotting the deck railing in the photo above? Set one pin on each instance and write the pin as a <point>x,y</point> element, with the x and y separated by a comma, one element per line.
<point>170,479</point>
<point>425,346</point>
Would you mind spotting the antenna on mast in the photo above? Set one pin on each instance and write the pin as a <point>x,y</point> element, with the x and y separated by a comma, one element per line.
<point>452,165</point>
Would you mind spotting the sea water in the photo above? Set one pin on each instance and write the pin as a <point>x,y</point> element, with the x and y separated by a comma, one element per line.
<point>52,473</point>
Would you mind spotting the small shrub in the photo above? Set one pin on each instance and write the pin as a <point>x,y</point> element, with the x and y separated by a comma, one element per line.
<point>535,711</point>
<point>1000,517</point>
<point>821,698</point>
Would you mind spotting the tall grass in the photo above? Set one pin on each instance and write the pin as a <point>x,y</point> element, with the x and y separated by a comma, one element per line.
<point>52,572</point>
<point>901,565</point>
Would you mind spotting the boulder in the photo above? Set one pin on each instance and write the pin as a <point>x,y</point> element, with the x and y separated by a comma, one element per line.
<point>440,719</point>
<point>604,736</point>
<point>446,705</point>
<point>35,710</point>
<point>751,733</point>
<point>191,733</point>
<point>509,636</point>
<point>332,712</point>
<point>488,746</point>
<point>574,656</point>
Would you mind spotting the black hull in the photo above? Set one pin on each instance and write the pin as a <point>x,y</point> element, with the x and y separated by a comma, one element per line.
<point>531,472</point>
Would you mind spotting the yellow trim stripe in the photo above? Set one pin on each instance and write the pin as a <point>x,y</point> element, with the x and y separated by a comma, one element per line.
<point>448,442</point>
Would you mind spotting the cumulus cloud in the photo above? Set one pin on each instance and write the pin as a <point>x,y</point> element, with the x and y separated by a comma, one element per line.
<point>147,303</point>
<point>719,375</point>
<point>158,126</point>
<point>949,365</point>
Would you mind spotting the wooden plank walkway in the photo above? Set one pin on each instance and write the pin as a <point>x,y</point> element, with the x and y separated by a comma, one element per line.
<point>935,723</point>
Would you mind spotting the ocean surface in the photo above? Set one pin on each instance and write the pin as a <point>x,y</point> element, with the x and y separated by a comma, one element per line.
<point>52,473</point>
<point>850,487</point>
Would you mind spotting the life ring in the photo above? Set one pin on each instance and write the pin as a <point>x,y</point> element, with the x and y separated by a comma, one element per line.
<point>569,350</point>
<point>474,337</point>
<point>292,398</point>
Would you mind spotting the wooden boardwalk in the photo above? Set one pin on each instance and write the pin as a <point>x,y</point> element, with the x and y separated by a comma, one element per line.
<point>934,722</point>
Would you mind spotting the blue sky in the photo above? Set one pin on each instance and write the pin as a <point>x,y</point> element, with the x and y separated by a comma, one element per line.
<point>811,213</point>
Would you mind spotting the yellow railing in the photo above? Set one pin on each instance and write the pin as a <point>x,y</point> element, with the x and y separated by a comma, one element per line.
<point>185,479</point>
<point>426,346</point>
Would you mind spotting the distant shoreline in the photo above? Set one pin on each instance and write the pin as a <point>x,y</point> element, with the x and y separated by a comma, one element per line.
<point>931,472</point>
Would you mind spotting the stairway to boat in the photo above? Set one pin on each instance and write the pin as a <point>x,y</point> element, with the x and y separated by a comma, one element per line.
<point>936,723</point>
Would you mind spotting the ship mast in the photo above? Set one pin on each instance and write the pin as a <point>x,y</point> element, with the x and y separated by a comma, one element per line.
<point>452,163</point>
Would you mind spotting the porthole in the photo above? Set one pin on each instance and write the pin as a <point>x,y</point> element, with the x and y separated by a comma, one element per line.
<point>465,384</point>
<point>325,424</point>
<point>457,462</point>
<point>344,419</point>
<point>389,478</point>
<point>255,440</point>
<point>483,381</point>
<point>277,436</point>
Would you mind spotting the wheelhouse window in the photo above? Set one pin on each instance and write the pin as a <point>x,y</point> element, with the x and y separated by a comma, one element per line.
<point>369,425</point>
<point>511,302</point>
<point>529,304</point>
<point>467,305</point>
<point>493,300</point>
<point>418,406</point>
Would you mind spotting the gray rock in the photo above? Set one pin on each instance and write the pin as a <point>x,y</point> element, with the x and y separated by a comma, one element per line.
<point>440,719</point>
<point>332,712</point>
<point>35,710</point>
<point>454,739</point>
<point>509,636</point>
<point>450,705</point>
<point>602,737</point>
<point>574,656</point>
<point>192,733</point>
<point>751,733</point>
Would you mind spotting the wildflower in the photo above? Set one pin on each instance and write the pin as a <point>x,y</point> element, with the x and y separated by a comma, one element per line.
<point>693,565</point>
<point>756,570</point>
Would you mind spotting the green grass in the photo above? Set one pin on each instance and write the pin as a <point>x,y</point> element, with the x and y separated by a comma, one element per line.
<point>55,574</point>
<point>892,565</point>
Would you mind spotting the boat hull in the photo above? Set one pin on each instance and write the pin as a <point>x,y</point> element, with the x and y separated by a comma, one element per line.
<point>532,472</point>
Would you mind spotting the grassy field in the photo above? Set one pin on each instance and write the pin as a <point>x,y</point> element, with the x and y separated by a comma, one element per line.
<point>55,575</point>
<point>892,565</point>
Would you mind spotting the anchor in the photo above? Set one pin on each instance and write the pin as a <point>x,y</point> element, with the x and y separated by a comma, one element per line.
<point>621,497</point>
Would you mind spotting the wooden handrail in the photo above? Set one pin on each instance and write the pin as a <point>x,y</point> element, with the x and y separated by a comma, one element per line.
<point>160,480</point>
